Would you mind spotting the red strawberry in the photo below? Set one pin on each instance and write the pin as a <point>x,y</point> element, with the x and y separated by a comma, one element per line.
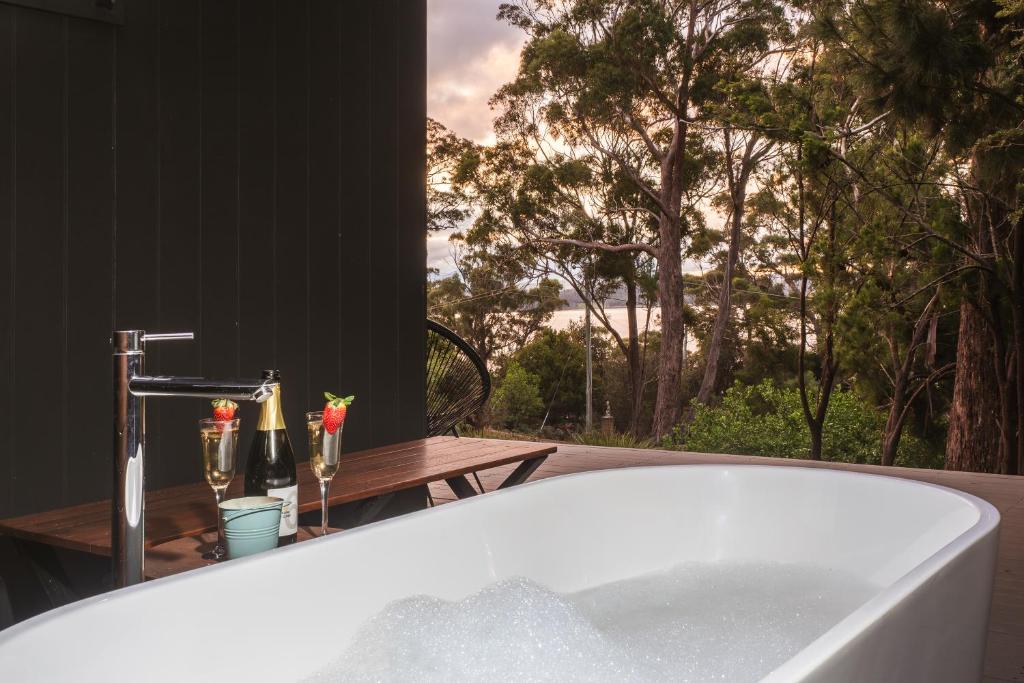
<point>223,409</point>
<point>334,411</point>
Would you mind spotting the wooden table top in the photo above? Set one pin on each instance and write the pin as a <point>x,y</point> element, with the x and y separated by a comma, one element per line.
<point>187,553</point>
<point>189,510</point>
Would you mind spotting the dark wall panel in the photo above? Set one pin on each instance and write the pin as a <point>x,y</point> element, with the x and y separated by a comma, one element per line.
<point>8,247</point>
<point>257,175</point>
<point>383,276</point>
<point>178,174</point>
<point>39,257</point>
<point>291,215</point>
<point>411,203</point>
<point>249,170</point>
<point>357,217</point>
<point>89,316</point>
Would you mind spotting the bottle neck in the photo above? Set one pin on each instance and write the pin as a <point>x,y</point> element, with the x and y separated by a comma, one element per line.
<point>271,416</point>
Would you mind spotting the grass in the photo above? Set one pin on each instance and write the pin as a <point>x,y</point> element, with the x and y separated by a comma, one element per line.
<point>614,440</point>
<point>592,438</point>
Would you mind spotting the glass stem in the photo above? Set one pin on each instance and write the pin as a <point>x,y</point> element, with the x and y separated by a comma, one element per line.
<point>219,493</point>
<point>325,484</point>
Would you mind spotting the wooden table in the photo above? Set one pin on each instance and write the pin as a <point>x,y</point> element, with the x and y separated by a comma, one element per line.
<point>186,512</point>
<point>192,552</point>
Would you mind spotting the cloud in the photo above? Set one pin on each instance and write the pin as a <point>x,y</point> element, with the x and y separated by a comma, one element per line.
<point>470,54</point>
<point>439,252</point>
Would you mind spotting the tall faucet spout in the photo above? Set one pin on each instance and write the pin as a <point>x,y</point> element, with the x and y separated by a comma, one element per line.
<point>197,387</point>
<point>131,387</point>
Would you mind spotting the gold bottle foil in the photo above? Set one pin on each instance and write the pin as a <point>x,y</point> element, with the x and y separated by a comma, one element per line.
<point>271,416</point>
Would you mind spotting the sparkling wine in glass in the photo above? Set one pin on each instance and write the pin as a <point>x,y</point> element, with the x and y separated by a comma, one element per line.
<point>324,458</point>
<point>219,439</point>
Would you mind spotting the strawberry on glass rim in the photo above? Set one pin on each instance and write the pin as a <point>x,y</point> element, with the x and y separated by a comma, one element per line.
<point>223,409</point>
<point>334,411</point>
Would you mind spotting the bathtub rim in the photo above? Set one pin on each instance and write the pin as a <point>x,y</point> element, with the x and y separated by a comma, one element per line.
<point>803,663</point>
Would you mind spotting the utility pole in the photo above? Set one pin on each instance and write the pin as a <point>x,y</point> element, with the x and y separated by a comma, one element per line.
<point>590,374</point>
<point>684,326</point>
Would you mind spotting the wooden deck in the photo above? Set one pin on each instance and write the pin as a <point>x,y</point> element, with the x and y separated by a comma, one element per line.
<point>1005,656</point>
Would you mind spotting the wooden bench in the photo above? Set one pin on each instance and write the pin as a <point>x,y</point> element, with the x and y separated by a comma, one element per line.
<point>187,512</point>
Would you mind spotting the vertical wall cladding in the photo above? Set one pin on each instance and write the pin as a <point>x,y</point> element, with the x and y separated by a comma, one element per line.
<point>251,171</point>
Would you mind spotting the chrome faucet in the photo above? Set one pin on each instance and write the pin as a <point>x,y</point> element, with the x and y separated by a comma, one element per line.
<point>131,386</point>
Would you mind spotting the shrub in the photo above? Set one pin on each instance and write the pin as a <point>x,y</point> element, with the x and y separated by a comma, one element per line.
<point>767,420</point>
<point>516,403</point>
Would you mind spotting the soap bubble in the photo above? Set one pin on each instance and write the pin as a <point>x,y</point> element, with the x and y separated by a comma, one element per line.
<point>695,622</point>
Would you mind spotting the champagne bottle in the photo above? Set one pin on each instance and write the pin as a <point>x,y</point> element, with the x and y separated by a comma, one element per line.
<point>270,470</point>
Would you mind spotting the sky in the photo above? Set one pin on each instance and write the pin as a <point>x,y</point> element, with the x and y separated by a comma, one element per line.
<point>470,54</point>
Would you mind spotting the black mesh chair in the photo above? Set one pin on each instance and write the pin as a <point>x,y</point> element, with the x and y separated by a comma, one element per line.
<point>458,383</point>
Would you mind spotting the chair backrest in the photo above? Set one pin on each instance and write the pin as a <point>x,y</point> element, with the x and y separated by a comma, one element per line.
<point>458,383</point>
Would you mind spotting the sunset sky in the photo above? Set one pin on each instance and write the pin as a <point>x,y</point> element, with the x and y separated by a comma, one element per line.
<point>469,56</point>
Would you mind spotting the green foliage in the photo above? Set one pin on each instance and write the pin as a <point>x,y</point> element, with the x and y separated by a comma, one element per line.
<point>558,359</point>
<point>767,420</point>
<point>516,403</point>
<point>491,302</point>
<point>891,196</point>
<point>447,206</point>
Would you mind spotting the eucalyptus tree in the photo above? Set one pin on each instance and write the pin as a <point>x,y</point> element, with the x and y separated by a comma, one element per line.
<point>810,200</point>
<point>548,204</point>
<point>742,152</point>
<point>895,334</point>
<point>633,81</point>
<point>447,206</point>
<point>955,69</point>
<point>491,300</point>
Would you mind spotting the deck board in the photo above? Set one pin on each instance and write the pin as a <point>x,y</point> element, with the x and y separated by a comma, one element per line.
<point>1004,659</point>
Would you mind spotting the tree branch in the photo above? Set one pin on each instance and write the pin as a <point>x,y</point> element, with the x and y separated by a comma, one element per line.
<point>600,246</point>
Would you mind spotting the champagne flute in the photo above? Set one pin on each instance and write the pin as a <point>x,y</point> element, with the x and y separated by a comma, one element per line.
<point>324,458</point>
<point>219,439</point>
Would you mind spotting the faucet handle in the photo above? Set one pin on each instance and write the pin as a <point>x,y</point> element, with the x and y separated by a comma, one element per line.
<point>169,336</point>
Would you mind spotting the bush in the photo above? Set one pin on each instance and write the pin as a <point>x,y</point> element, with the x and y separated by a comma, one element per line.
<point>516,403</point>
<point>768,420</point>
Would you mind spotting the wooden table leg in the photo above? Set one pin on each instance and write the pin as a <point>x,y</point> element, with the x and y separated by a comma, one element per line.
<point>463,489</point>
<point>369,509</point>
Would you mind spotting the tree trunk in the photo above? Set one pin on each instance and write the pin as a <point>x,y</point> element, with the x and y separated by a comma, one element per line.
<point>985,417</point>
<point>724,314</point>
<point>670,272</point>
<point>1017,303</point>
<point>817,431</point>
<point>974,434</point>
<point>670,357</point>
<point>894,424</point>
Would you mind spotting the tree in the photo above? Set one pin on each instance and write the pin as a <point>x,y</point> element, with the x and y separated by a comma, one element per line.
<point>955,70</point>
<point>490,302</point>
<point>516,403</point>
<point>447,207</point>
<point>546,203</point>
<point>892,329</point>
<point>557,358</point>
<point>630,81</point>
<point>742,152</point>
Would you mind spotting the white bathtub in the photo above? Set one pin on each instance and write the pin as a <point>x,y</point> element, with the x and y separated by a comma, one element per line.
<point>931,551</point>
